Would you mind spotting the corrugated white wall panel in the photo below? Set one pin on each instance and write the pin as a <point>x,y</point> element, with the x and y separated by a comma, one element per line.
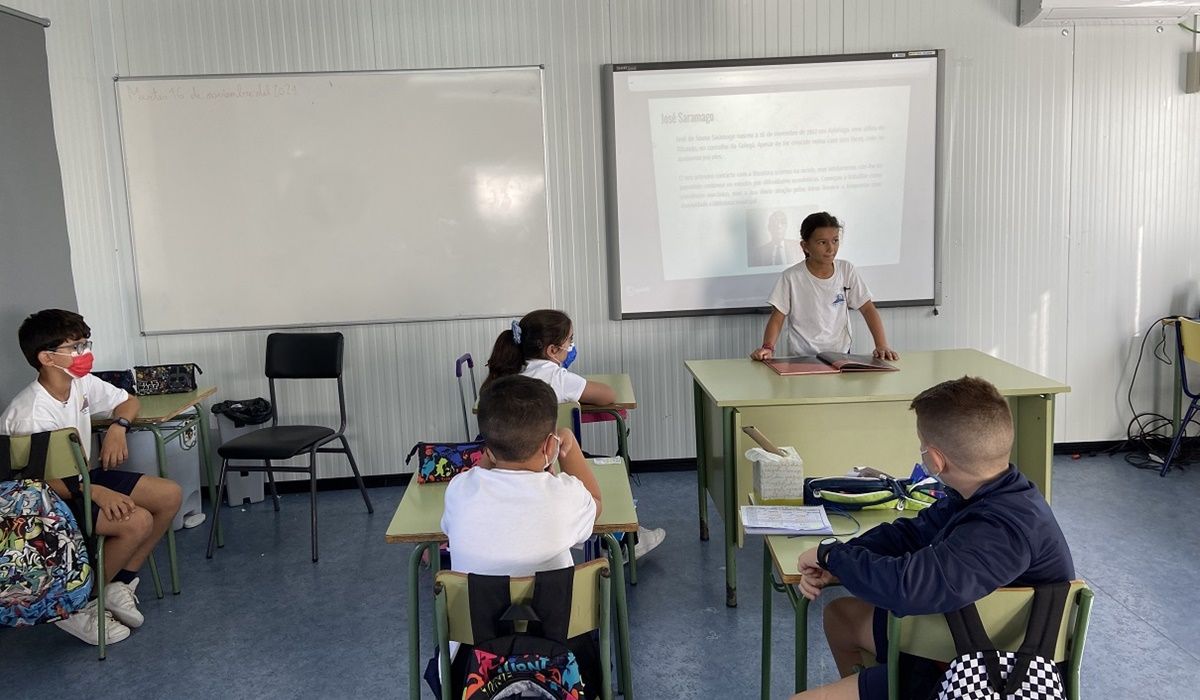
<point>1135,219</point>
<point>1005,166</point>
<point>1058,151</point>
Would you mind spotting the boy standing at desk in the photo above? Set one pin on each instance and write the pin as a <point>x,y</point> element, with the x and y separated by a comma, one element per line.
<point>511,516</point>
<point>997,530</point>
<point>131,510</point>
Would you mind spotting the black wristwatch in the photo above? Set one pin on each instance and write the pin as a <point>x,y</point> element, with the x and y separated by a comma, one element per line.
<point>123,422</point>
<point>823,551</point>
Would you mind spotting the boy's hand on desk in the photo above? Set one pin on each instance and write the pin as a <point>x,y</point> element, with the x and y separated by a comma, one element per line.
<point>811,584</point>
<point>807,562</point>
<point>762,354</point>
<point>115,449</point>
<point>883,352</point>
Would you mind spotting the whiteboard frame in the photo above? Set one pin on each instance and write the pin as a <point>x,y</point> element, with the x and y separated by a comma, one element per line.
<point>608,71</point>
<point>541,69</point>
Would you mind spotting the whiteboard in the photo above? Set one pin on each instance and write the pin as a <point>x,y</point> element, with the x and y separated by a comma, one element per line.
<point>336,198</point>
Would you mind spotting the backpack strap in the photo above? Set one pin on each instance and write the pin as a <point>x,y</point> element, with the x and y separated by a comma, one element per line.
<point>489,601</point>
<point>1041,634</point>
<point>39,447</point>
<point>412,452</point>
<point>552,591</point>
<point>5,458</point>
<point>970,637</point>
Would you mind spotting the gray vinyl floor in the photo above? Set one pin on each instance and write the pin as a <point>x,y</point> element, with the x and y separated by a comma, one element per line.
<point>260,620</point>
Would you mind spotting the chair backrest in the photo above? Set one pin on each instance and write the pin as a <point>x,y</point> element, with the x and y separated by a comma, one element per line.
<point>1188,339</point>
<point>304,355</point>
<point>568,417</point>
<point>64,456</point>
<point>585,599</point>
<point>1005,614</point>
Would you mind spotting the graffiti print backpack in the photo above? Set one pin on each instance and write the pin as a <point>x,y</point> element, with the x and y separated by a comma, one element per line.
<point>44,570</point>
<point>537,664</point>
<point>442,461</point>
<point>980,672</point>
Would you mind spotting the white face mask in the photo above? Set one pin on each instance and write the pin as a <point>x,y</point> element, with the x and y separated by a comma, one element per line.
<point>550,459</point>
<point>929,470</point>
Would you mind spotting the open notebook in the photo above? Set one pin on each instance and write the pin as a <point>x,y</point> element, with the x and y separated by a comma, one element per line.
<point>785,520</point>
<point>828,363</point>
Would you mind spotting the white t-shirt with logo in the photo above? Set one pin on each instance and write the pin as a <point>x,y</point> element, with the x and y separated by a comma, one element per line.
<point>509,522</point>
<point>34,410</point>
<point>567,385</point>
<point>817,313</point>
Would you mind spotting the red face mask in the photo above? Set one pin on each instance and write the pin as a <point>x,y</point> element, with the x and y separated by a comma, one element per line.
<point>81,365</point>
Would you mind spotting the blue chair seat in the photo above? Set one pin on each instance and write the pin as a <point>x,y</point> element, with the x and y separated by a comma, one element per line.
<point>280,442</point>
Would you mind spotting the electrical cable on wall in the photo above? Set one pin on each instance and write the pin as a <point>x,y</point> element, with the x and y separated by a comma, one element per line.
<point>1149,434</point>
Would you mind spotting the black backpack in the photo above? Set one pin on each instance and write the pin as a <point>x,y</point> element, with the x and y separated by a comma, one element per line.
<point>244,412</point>
<point>980,672</point>
<point>539,663</point>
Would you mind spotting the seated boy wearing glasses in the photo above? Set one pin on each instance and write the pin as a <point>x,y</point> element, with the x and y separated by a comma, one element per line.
<point>994,529</point>
<point>131,510</point>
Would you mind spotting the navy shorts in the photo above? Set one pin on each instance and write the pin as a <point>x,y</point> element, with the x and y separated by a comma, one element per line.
<point>919,678</point>
<point>114,479</point>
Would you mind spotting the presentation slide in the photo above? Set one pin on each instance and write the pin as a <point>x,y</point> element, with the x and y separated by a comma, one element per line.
<point>715,166</point>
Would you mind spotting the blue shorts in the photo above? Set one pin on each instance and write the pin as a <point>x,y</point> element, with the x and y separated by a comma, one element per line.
<point>919,678</point>
<point>114,479</point>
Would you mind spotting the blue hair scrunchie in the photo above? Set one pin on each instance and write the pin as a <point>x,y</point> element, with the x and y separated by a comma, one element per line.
<point>516,331</point>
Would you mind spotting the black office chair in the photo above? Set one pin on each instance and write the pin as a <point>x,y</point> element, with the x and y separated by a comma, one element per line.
<point>291,356</point>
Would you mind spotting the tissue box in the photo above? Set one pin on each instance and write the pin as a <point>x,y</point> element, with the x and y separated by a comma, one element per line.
<point>776,477</point>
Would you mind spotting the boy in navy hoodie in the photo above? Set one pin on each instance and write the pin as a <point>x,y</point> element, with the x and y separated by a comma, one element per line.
<point>994,530</point>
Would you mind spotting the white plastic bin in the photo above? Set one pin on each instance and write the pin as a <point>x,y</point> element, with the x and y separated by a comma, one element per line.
<point>239,486</point>
<point>183,467</point>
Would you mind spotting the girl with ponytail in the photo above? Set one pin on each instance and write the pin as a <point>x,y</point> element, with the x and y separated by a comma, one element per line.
<point>542,345</point>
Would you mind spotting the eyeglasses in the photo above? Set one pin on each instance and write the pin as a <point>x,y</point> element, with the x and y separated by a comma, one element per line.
<point>76,348</point>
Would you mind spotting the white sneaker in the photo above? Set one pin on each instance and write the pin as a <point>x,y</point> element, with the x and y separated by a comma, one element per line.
<point>647,540</point>
<point>121,601</point>
<point>84,625</point>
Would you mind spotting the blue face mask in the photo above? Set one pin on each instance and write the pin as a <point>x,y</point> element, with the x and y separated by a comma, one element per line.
<point>571,354</point>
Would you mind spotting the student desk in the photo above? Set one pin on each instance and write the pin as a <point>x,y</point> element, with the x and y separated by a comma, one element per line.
<point>623,387</point>
<point>418,520</point>
<point>780,553</point>
<point>162,414</point>
<point>838,421</point>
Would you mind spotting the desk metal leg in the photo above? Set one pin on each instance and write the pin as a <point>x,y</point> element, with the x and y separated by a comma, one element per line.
<point>632,540</point>
<point>701,459</point>
<point>768,590</point>
<point>731,506</point>
<point>160,447</point>
<point>206,456</point>
<point>414,617</point>
<point>1033,422</point>
<point>623,453</point>
<point>618,583</point>
<point>800,608</point>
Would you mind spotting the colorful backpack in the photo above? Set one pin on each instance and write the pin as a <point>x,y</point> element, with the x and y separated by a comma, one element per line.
<point>441,461</point>
<point>537,664</point>
<point>44,570</point>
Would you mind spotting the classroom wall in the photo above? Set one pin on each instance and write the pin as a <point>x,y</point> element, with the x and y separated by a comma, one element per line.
<point>35,261</point>
<point>1070,173</point>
